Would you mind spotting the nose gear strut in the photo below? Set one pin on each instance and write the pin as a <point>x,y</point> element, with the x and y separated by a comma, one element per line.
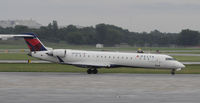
<point>173,71</point>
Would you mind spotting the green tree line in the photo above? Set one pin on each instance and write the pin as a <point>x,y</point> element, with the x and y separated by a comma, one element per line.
<point>109,35</point>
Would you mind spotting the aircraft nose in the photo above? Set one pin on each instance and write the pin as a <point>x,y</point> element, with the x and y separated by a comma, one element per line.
<point>181,65</point>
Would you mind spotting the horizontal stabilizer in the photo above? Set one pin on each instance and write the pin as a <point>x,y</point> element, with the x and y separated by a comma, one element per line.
<point>31,39</point>
<point>7,36</point>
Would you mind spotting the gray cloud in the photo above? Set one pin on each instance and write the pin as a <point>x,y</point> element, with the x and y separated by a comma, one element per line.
<point>135,15</point>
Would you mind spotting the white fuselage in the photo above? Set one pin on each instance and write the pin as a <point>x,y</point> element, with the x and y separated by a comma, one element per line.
<point>109,59</point>
<point>97,59</point>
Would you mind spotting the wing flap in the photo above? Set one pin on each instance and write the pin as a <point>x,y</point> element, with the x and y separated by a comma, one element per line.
<point>91,64</point>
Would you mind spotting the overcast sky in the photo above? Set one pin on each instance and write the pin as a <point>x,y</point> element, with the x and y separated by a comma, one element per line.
<point>135,15</point>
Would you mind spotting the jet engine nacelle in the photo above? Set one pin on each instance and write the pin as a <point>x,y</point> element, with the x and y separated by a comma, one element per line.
<point>58,52</point>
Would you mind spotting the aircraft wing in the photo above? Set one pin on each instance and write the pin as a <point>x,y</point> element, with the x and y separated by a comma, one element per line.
<point>90,64</point>
<point>7,36</point>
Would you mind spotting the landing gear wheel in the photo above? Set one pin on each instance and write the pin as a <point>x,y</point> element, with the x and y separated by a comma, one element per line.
<point>92,71</point>
<point>89,71</point>
<point>95,71</point>
<point>173,71</point>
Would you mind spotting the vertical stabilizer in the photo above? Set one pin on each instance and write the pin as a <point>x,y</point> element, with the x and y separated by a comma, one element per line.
<point>34,43</point>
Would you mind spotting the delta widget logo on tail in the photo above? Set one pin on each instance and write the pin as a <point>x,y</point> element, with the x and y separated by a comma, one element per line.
<point>34,43</point>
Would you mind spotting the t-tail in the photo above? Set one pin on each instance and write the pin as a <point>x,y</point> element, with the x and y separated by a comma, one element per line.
<point>34,43</point>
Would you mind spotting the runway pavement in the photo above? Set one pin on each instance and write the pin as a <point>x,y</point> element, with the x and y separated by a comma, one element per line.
<point>28,87</point>
<point>184,54</point>
<point>171,52</point>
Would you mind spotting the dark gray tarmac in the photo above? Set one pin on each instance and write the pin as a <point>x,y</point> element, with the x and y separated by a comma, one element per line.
<point>171,52</point>
<point>184,54</point>
<point>28,87</point>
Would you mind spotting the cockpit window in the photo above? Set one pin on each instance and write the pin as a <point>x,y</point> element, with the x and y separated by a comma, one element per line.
<point>170,59</point>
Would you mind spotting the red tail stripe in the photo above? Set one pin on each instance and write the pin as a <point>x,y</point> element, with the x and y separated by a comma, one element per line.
<point>33,41</point>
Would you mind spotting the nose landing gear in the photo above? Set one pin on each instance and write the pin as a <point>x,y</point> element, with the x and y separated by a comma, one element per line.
<point>173,71</point>
<point>92,71</point>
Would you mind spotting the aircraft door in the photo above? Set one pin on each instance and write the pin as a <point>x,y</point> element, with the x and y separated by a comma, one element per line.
<point>157,62</point>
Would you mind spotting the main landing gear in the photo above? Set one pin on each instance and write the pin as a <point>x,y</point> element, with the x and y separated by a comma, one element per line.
<point>92,71</point>
<point>173,71</point>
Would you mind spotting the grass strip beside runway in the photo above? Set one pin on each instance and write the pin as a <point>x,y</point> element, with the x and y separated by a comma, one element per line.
<point>15,56</point>
<point>190,69</point>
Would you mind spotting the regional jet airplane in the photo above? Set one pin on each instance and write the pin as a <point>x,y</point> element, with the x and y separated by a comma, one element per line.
<point>94,60</point>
